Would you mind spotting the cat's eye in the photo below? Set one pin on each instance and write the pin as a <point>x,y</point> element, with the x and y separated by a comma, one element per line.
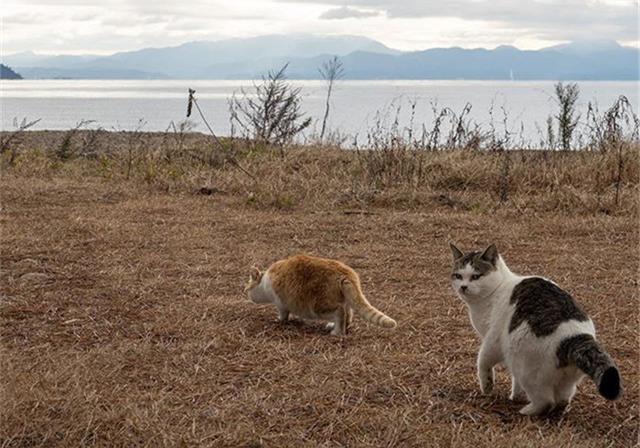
<point>456,276</point>
<point>476,276</point>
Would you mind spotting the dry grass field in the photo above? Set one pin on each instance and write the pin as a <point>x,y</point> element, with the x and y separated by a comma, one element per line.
<point>123,321</point>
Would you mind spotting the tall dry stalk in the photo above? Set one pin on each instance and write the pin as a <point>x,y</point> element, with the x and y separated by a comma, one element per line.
<point>228,156</point>
<point>134,141</point>
<point>505,173</point>
<point>331,71</point>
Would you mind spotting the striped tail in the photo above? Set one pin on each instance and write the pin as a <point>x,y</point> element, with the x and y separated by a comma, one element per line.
<point>585,353</point>
<point>358,302</point>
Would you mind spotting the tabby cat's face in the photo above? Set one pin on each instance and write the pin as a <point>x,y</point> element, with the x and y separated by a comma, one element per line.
<point>474,274</point>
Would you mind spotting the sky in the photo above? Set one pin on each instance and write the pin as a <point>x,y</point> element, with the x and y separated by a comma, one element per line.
<point>108,26</point>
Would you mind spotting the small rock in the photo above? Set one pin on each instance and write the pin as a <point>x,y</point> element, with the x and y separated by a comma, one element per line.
<point>207,191</point>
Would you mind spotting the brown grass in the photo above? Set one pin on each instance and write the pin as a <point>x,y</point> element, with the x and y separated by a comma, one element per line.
<point>137,333</point>
<point>584,182</point>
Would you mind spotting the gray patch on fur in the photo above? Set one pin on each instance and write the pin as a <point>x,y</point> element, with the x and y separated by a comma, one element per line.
<point>584,352</point>
<point>543,305</point>
<point>476,261</point>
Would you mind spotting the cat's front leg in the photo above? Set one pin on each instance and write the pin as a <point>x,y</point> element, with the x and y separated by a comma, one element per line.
<point>488,357</point>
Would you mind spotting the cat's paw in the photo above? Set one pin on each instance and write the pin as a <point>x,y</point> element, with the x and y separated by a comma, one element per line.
<point>485,377</point>
<point>535,409</point>
<point>562,406</point>
<point>486,386</point>
<point>528,410</point>
<point>330,326</point>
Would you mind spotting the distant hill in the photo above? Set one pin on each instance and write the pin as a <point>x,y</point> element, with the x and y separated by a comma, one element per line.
<point>618,63</point>
<point>8,73</point>
<point>564,63</point>
<point>190,60</point>
<point>362,58</point>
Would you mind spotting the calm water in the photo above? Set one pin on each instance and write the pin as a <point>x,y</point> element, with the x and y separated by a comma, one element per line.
<point>121,104</point>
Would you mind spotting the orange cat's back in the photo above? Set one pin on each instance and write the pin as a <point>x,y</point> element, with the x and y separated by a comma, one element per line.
<point>310,283</point>
<point>320,287</point>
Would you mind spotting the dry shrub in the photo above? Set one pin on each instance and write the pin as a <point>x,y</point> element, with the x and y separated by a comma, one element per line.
<point>394,176</point>
<point>272,113</point>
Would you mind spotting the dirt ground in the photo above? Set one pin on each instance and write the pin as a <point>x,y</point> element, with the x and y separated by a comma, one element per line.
<point>123,323</point>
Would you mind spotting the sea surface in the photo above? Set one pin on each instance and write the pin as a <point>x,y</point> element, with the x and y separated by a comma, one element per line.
<point>519,108</point>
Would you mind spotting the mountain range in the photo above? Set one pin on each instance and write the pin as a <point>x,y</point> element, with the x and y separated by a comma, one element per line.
<point>362,58</point>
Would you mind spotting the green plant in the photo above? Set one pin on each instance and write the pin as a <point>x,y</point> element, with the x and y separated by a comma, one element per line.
<point>567,118</point>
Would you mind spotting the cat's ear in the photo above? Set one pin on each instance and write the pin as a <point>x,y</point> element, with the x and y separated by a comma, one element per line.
<point>457,253</point>
<point>490,254</point>
<point>255,273</point>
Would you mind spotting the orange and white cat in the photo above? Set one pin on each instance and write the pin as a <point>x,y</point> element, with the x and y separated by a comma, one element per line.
<point>314,288</point>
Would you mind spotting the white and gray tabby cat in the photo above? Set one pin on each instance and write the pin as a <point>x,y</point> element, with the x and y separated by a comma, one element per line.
<point>535,328</point>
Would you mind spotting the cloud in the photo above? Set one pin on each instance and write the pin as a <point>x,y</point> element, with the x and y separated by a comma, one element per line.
<point>546,19</point>
<point>345,12</point>
<point>75,26</point>
<point>120,25</point>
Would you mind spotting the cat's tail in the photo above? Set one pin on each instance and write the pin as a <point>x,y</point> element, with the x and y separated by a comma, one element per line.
<point>584,352</point>
<point>359,303</point>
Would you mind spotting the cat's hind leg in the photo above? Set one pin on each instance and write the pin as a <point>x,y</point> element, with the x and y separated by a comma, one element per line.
<point>517,392</point>
<point>566,389</point>
<point>537,375</point>
<point>349,319</point>
<point>538,407</point>
<point>339,322</point>
<point>541,398</point>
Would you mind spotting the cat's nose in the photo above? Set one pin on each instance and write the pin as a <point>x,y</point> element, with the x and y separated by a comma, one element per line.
<point>464,288</point>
